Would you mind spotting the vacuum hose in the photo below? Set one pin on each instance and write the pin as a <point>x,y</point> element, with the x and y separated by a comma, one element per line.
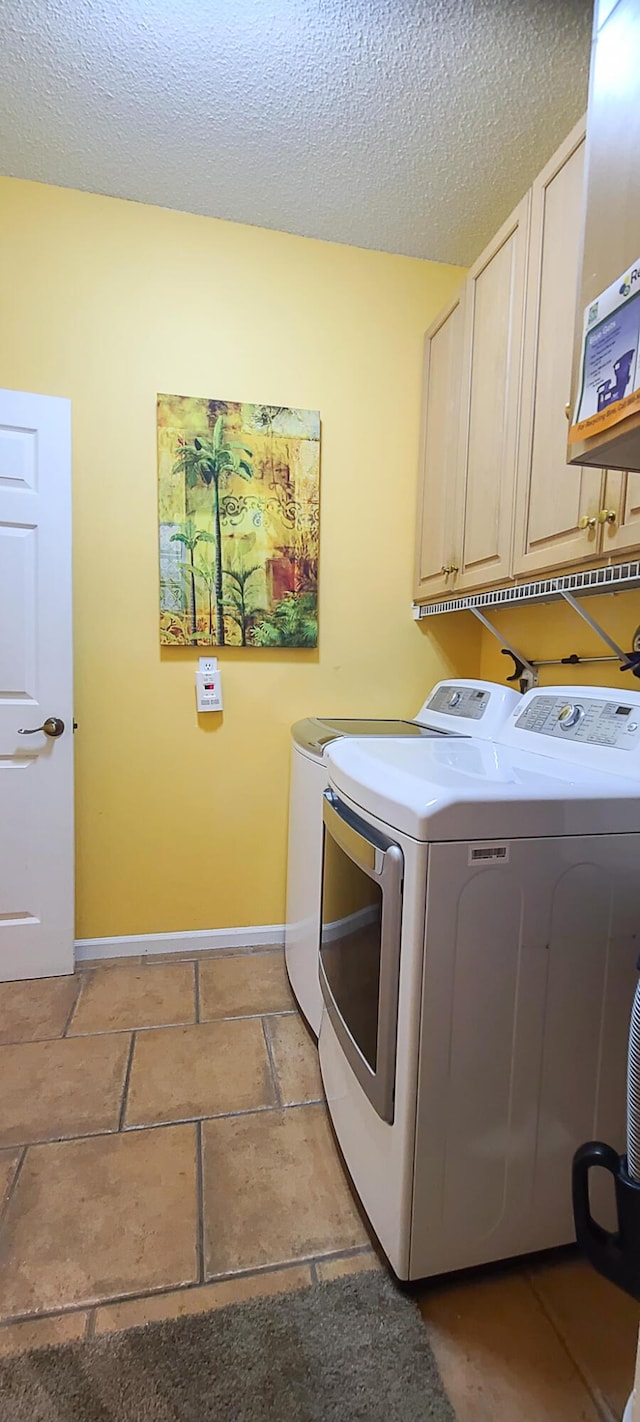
<point>615,1253</point>
<point>633,1091</point>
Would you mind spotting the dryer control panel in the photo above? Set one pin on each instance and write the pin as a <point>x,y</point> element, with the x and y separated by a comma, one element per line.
<point>583,718</point>
<point>465,707</point>
<point>457,700</point>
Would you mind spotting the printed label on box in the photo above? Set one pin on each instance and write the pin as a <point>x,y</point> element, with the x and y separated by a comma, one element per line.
<point>609,368</point>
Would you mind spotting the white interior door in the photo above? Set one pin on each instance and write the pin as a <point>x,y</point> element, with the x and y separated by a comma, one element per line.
<point>36,770</point>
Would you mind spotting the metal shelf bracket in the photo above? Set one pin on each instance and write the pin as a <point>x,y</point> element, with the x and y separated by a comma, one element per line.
<point>591,622</point>
<point>622,577</point>
<point>524,672</point>
<point>629,661</point>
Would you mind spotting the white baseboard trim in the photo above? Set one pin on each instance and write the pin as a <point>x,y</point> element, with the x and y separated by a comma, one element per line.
<point>199,940</point>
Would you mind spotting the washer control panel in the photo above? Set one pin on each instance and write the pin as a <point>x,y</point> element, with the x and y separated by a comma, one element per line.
<point>593,722</point>
<point>468,701</point>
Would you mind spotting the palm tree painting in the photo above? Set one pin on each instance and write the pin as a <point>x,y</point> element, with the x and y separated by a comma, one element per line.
<point>238,489</point>
<point>238,606</point>
<point>190,536</point>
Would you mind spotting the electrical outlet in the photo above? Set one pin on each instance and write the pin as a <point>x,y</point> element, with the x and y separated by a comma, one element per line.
<point>636,640</point>
<point>207,665</point>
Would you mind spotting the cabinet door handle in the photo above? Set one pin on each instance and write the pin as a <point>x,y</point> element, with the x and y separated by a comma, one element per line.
<point>608,516</point>
<point>588,522</point>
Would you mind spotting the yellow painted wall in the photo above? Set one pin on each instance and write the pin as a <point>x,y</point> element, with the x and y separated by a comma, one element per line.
<point>555,630</point>
<point>182,824</point>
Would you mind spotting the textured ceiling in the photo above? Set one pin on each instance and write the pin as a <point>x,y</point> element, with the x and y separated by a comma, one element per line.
<point>407,125</point>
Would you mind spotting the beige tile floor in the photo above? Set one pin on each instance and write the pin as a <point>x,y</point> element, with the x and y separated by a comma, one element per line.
<point>164,1149</point>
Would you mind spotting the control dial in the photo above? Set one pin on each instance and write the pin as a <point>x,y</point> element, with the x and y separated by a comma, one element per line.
<point>455,698</point>
<point>570,715</point>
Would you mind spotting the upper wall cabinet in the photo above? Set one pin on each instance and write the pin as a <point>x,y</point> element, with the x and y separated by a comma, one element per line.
<point>619,516</point>
<point>437,531</point>
<point>494,306</point>
<point>556,507</point>
<point>612,214</point>
<point>497,498</point>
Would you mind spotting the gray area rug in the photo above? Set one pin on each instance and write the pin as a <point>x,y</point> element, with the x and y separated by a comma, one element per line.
<point>345,1351</point>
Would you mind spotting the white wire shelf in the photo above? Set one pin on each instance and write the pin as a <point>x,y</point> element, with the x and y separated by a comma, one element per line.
<point>623,577</point>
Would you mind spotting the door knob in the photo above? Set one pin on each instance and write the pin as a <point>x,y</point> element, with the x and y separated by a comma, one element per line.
<point>586,522</point>
<point>567,410</point>
<point>607,516</point>
<point>52,727</point>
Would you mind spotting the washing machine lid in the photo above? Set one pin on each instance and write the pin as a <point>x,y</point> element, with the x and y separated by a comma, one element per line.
<point>461,706</point>
<point>479,790</point>
<point>316,732</point>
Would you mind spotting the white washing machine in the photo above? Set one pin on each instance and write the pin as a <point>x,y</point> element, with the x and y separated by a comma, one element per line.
<point>480,932</point>
<point>457,707</point>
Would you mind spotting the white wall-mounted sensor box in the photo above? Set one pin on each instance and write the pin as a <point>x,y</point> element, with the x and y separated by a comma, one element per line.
<point>208,685</point>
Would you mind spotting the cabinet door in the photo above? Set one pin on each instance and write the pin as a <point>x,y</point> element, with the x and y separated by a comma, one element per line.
<point>612,209</point>
<point>436,523</point>
<point>551,498</point>
<point>490,397</point>
<point>621,534</point>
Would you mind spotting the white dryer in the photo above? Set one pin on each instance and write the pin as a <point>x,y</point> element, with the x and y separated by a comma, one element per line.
<point>456,707</point>
<point>480,932</point>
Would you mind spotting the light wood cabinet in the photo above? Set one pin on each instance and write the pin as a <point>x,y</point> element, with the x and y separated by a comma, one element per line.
<point>494,309</point>
<point>612,209</point>
<point>556,507</point>
<point>497,499</point>
<point>620,514</point>
<point>437,525</point>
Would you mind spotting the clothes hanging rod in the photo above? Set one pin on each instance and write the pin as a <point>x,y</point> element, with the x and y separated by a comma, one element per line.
<point>575,660</point>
